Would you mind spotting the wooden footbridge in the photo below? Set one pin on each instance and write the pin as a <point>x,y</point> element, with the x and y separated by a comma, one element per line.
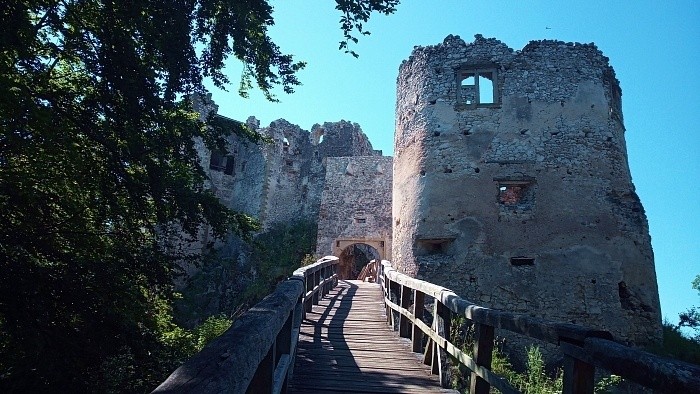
<point>318,334</point>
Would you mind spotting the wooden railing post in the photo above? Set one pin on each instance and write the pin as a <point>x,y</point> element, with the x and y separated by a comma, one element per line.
<point>324,275</point>
<point>387,296</point>
<point>395,290</point>
<point>483,351</point>
<point>263,379</point>
<point>578,376</point>
<point>404,322</point>
<point>444,320</point>
<point>335,273</point>
<point>283,356</point>
<point>316,282</point>
<point>418,309</point>
<point>309,285</point>
<point>297,318</point>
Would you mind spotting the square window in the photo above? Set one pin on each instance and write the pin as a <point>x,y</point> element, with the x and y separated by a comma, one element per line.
<point>511,194</point>
<point>516,197</point>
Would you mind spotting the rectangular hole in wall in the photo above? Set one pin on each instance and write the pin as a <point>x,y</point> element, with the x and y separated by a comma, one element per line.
<point>511,194</point>
<point>230,165</point>
<point>521,260</point>
<point>486,88</point>
<point>217,161</point>
<point>430,246</point>
<point>360,220</point>
<point>468,89</point>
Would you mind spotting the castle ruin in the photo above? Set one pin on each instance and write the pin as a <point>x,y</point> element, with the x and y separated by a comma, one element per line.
<point>511,184</point>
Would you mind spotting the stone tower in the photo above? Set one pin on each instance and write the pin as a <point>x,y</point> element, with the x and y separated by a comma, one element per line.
<point>511,184</point>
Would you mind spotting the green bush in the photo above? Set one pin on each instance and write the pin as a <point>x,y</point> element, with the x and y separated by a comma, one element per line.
<point>533,380</point>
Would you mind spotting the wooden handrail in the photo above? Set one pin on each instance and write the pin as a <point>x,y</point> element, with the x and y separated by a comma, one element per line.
<point>583,348</point>
<point>368,272</point>
<point>257,353</point>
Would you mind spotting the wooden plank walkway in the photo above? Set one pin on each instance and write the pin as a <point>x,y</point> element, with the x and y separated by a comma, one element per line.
<point>349,348</point>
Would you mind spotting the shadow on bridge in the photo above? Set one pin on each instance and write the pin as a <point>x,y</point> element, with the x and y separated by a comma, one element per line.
<point>345,346</point>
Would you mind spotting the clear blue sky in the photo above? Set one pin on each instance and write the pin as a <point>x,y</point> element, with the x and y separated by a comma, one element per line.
<point>653,46</point>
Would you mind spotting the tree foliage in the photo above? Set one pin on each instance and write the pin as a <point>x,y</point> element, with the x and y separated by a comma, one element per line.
<point>98,168</point>
<point>691,317</point>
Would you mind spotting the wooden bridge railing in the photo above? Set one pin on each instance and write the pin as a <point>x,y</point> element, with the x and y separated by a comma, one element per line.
<point>257,353</point>
<point>583,348</point>
<point>368,273</point>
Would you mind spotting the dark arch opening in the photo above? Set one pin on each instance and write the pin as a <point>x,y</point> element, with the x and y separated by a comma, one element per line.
<point>353,258</point>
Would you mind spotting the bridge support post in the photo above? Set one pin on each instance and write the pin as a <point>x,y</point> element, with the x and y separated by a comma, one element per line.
<point>483,351</point>
<point>578,376</point>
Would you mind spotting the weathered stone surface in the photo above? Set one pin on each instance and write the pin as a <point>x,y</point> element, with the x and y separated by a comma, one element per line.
<point>355,207</point>
<point>522,200</point>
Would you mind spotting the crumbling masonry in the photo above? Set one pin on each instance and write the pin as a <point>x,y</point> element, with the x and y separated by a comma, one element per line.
<point>511,184</point>
<point>281,181</point>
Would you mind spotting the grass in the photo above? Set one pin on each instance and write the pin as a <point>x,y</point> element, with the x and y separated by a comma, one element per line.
<point>678,346</point>
<point>533,380</point>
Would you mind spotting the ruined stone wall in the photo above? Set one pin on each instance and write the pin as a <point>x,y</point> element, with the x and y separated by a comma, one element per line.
<point>356,203</point>
<point>511,184</point>
<point>296,166</point>
<point>280,181</point>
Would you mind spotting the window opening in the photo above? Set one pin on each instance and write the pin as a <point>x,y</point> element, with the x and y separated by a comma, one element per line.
<point>516,197</point>
<point>511,194</point>
<point>468,87</point>
<point>217,161</point>
<point>521,260</point>
<point>431,246</point>
<point>285,144</point>
<point>360,220</point>
<point>220,162</point>
<point>230,163</point>
<point>486,91</point>
<point>478,87</point>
